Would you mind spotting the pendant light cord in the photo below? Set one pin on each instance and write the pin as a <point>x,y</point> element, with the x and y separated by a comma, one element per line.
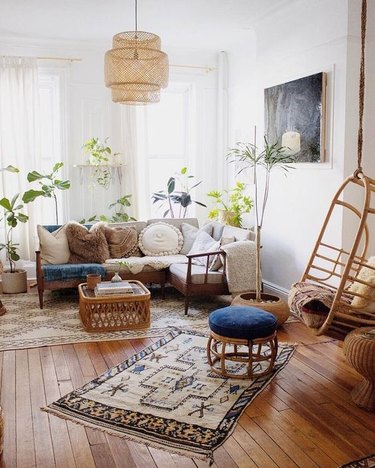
<point>361,87</point>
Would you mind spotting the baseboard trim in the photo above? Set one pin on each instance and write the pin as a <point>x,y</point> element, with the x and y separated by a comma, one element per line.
<point>282,292</point>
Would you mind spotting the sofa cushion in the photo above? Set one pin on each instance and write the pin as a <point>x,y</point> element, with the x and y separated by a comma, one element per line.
<point>138,225</point>
<point>70,272</point>
<point>122,241</point>
<point>217,262</point>
<point>87,246</point>
<point>190,233</point>
<point>239,234</point>
<point>204,243</point>
<point>198,273</point>
<point>368,275</point>
<point>54,247</point>
<point>160,239</point>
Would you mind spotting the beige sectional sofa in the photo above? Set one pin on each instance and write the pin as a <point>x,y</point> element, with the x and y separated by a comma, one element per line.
<point>192,272</point>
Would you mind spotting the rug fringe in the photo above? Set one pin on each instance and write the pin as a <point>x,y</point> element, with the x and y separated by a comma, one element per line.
<point>176,450</point>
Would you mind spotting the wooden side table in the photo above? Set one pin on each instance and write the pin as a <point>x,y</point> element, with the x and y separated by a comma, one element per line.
<point>359,349</point>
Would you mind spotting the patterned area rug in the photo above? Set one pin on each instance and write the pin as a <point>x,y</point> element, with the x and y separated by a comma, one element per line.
<point>367,462</point>
<point>25,325</point>
<point>167,397</point>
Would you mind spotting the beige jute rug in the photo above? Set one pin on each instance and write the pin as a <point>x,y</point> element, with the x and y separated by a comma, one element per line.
<point>25,325</point>
<point>167,397</point>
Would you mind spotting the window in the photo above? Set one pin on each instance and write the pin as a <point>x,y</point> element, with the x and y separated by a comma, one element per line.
<point>165,144</point>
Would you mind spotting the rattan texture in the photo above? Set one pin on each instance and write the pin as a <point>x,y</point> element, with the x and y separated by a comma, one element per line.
<point>115,312</point>
<point>135,68</point>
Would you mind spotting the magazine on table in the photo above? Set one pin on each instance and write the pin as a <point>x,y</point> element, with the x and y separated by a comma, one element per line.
<point>106,288</point>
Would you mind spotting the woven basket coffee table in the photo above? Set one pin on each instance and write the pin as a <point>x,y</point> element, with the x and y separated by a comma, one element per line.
<point>116,311</point>
<point>359,349</point>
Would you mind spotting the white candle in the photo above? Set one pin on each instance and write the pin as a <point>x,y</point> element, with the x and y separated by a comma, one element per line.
<point>292,141</point>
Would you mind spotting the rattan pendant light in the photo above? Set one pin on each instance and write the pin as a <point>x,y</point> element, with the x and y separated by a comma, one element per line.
<point>135,68</point>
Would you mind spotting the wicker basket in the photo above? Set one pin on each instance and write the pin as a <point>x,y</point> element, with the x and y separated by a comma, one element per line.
<point>115,312</point>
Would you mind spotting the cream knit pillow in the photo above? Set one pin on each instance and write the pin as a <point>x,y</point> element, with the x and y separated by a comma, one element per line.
<point>160,239</point>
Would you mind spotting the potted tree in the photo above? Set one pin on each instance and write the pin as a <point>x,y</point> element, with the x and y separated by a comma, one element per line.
<point>230,205</point>
<point>273,156</point>
<point>13,280</point>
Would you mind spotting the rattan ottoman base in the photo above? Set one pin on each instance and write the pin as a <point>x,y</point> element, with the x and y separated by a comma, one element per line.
<point>115,312</point>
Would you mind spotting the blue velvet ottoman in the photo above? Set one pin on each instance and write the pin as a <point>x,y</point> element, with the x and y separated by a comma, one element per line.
<point>242,342</point>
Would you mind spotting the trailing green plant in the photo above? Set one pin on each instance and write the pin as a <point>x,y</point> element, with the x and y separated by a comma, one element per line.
<point>13,215</point>
<point>273,156</point>
<point>119,215</point>
<point>100,153</point>
<point>177,199</point>
<point>48,184</point>
<point>233,202</point>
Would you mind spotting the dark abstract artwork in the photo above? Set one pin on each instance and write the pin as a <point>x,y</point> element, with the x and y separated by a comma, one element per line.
<point>295,117</point>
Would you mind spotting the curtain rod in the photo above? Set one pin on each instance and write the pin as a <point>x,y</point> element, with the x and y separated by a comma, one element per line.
<point>208,69</point>
<point>76,59</point>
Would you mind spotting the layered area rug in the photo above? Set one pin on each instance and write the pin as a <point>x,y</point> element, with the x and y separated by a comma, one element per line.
<point>167,397</point>
<point>25,325</point>
<point>367,462</point>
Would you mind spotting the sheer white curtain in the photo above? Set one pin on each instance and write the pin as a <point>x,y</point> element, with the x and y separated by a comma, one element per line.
<point>19,137</point>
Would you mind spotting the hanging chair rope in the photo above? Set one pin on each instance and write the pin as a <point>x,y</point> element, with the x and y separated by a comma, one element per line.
<point>359,171</point>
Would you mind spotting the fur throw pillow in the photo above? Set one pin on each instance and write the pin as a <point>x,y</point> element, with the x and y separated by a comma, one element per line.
<point>122,242</point>
<point>87,246</point>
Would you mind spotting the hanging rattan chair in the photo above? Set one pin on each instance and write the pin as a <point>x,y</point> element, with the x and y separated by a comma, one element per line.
<point>337,288</point>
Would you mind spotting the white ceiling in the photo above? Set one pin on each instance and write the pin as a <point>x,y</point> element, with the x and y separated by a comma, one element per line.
<point>206,24</point>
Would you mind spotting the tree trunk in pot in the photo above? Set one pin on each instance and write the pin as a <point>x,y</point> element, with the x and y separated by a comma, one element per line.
<point>14,283</point>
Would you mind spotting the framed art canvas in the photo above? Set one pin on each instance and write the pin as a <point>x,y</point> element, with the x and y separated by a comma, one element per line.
<point>295,117</point>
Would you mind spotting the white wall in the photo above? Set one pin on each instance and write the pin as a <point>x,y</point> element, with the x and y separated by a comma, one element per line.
<point>301,39</point>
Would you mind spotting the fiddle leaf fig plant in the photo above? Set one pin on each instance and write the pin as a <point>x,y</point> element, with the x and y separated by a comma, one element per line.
<point>173,198</point>
<point>12,209</point>
<point>48,184</point>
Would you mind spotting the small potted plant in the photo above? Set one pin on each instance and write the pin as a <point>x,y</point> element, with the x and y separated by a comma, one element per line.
<point>230,205</point>
<point>13,280</point>
<point>100,156</point>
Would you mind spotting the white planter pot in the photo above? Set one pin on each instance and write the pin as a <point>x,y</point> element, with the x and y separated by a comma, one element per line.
<point>14,283</point>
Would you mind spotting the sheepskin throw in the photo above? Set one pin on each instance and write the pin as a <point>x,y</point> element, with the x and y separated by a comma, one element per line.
<point>87,246</point>
<point>122,242</point>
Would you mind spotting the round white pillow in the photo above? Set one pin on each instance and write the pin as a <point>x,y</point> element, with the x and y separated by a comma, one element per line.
<point>160,239</point>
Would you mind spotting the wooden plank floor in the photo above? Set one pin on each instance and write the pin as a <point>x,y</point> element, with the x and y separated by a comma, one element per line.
<point>304,418</point>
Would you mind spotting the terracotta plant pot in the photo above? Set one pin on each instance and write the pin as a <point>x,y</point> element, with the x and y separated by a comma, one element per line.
<point>92,280</point>
<point>270,303</point>
<point>15,282</point>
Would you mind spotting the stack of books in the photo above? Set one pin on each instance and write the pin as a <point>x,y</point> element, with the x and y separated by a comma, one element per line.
<point>106,288</point>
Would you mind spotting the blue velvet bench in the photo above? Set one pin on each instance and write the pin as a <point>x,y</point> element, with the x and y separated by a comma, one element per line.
<point>242,342</point>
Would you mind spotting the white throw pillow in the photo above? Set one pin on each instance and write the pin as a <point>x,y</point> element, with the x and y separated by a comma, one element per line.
<point>160,239</point>
<point>218,261</point>
<point>190,233</point>
<point>54,247</point>
<point>204,243</point>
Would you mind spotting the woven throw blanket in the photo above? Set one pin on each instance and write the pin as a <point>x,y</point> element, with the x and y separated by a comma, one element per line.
<point>303,294</point>
<point>136,264</point>
<point>240,266</point>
